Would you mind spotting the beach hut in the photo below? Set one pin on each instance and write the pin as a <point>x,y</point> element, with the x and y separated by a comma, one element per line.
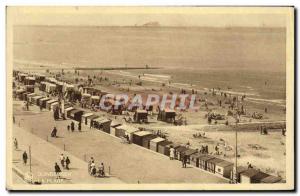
<point>90,119</point>
<point>224,168</point>
<point>75,115</point>
<point>95,100</point>
<point>252,176</point>
<point>38,100</point>
<point>138,137</point>
<point>164,147</point>
<point>102,124</point>
<point>140,116</point>
<point>67,111</point>
<point>166,115</point>
<point>29,88</point>
<point>29,96</point>
<point>194,159</point>
<point>54,105</point>
<point>24,95</point>
<point>271,179</point>
<point>49,102</point>
<point>29,80</point>
<point>240,169</point>
<point>50,87</point>
<point>155,142</point>
<point>113,126</point>
<point>84,117</point>
<point>211,164</point>
<point>125,129</point>
<point>43,102</point>
<point>146,140</point>
<point>188,153</point>
<point>203,161</point>
<point>179,152</point>
<point>34,98</point>
<point>19,93</point>
<point>21,77</point>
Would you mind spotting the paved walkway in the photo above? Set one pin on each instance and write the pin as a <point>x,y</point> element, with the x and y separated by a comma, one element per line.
<point>129,162</point>
<point>44,155</point>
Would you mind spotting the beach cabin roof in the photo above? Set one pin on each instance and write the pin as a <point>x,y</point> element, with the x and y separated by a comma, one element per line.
<point>69,108</point>
<point>197,155</point>
<point>44,99</point>
<point>92,116</point>
<point>102,120</point>
<point>215,160</point>
<point>250,172</point>
<point>181,149</point>
<point>37,97</point>
<point>95,97</point>
<point>75,111</point>
<point>30,78</point>
<point>271,179</point>
<point>128,129</point>
<point>87,114</point>
<point>20,91</point>
<point>190,152</point>
<point>31,94</point>
<point>165,143</point>
<point>142,133</point>
<point>169,111</point>
<point>259,176</point>
<point>115,123</point>
<point>224,163</point>
<point>141,111</point>
<point>157,140</point>
<point>205,157</point>
<point>86,95</point>
<point>51,101</point>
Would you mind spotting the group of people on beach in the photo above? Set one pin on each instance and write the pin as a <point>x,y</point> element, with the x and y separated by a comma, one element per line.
<point>65,162</point>
<point>72,126</point>
<point>93,170</point>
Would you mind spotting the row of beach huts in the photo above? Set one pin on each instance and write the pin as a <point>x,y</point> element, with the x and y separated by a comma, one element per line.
<point>149,140</point>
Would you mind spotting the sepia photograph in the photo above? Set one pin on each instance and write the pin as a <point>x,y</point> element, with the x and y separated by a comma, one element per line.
<point>150,98</point>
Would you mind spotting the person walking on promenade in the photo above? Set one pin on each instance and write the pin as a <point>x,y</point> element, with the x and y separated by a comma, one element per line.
<point>54,132</point>
<point>90,163</point>
<point>25,157</point>
<point>62,160</point>
<point>79,126</point>
<point>16,144</point>
<point>101,170</point>
<point>41,107</point>
<point>72,126</point>
<point>67,163</point>
<point>57,170</point>
<point>68,127</point>
<point>172,153</point>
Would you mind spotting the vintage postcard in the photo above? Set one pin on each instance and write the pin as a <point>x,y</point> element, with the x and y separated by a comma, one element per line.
<point>150,98</point>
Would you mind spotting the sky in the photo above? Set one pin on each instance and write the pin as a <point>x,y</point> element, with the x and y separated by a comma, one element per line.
<point>130,16</point>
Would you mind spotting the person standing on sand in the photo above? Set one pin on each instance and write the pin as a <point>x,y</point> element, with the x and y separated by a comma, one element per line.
<point>172,153</point>
<point>57,170</point>
<point>25,157</point>
<point>79,126</point>
<point>62,160</point>
<point>72,126</point>
<point>67,163</point>
<point>16,144</point>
